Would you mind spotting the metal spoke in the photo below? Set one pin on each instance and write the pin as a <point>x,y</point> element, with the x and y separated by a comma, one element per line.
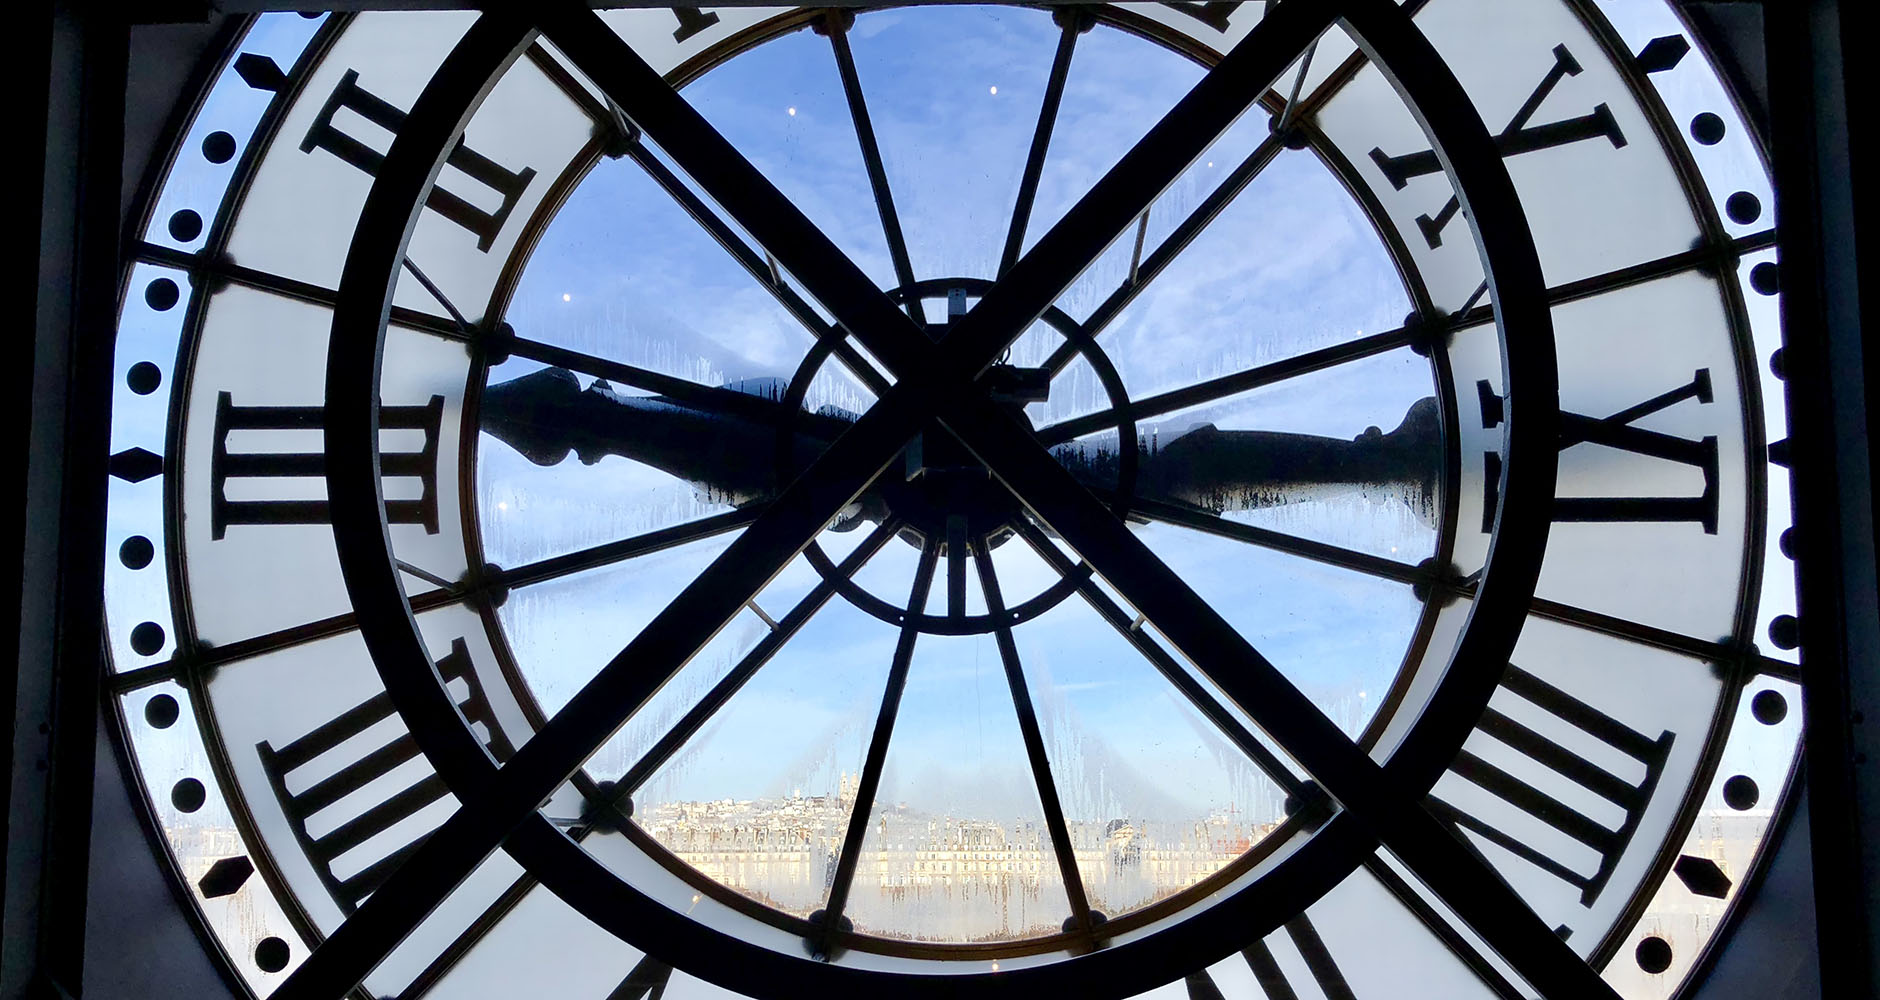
<point>836,25</point>
<point>1144,270</point>
<point>1034,747</point>
<point>606,114</point>
<point>716,399</point>
<point>223,269</point>
<point>870,781</point>
<point>1278,541</point>
<point>1226,385</point>
<point>763,267</point>
<point>1072,23</point>
<point>785,629</point>
<point>1171,670</point>
<point>608,553</point>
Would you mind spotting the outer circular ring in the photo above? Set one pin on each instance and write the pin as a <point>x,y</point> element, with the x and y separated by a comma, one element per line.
<point>404,663</point>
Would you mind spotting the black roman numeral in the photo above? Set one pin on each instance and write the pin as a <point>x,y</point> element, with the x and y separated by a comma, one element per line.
<point>1517,138</point>
<point>1273,982</point>
<point>506,184</point>
<point>225,464</point>
<point>350,768</point>
<point>691,21</point>
<point>1214,15</point>
<point>1630,796</point>
<point>647,981</point>
<point>1617,432</point>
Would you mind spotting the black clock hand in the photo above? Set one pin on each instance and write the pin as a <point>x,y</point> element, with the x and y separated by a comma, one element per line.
<point>727,448</point>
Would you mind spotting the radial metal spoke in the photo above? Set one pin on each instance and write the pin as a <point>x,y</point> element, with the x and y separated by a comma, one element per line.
<point>1171,670</point>
<point>1034,746</point>
<point>716,399</point>
<point>1144,270</point>
<point>1226,385</point>
<point>760,266</point>
<point>223,269</point>
<point>1072,22</point>
<point>607,115</point>
<point>608,553</point>
<point>786,629</point>
<point>870,781</point>
<point>1278,541</point>
<point>836,25</point>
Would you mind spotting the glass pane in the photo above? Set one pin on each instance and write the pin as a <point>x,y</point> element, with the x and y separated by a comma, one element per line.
<point>1118,87</point>
<point>760,798</point>
<point>782,105</point>
<point>1339,636</point>
<point>1604,198</point>
<point>298,216</point>
<point>1731,162</point>
<point>1350,456</point>
<point>954,93</point>
<point>208,156</point>
<point>1290,266</point>
<point>453,917</point>
<point>957,848</point>
<point>564,631</point>
<point>567,463</point>
<point>1155,797</point>
<point>540,947</point>
<point>622,272</point>
<point>1678,565</point>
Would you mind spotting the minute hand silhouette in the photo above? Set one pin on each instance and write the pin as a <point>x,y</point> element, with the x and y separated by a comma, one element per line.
<point>725,444</point>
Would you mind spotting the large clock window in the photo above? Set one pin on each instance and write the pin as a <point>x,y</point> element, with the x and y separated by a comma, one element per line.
<point>1154,499</point>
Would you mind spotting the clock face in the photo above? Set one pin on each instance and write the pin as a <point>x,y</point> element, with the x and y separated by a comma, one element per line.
<point>1210,500</point>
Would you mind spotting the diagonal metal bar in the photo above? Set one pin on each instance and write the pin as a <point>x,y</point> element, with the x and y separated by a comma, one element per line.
<point>786,628</point>
<point>755,264</point>
<point>870,782</point>
<point>836,25</point>
<point>607,553</point>
<point>1072,23</point>
<point>1225,385</point>
<point>1055,826</point>
<point>717,399</point>
<point>1198,696</point>
<point>1278,541</point>
<point>1144,270</point>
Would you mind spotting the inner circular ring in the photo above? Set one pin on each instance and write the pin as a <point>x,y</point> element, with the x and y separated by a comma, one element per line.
<point>968,493</point>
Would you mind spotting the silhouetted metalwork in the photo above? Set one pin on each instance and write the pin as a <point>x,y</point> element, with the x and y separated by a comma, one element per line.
<point>726,455</point>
